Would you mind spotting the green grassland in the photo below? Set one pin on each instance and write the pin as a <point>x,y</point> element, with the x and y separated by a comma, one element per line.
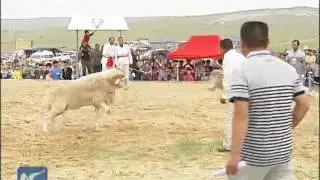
<point>285,25</point>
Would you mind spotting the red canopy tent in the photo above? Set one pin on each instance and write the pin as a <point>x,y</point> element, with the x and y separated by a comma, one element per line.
<point>198,47</point>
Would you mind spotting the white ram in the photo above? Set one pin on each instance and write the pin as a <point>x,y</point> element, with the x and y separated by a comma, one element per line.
<point>97,90</point>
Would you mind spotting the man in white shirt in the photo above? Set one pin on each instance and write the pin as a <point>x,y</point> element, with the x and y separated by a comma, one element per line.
<point>108,55</point>
<point>231,61</point>
<point>296,57</point>
<point>123,56</point>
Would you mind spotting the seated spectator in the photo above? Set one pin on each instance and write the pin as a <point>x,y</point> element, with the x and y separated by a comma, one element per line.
<point>137,70</point>
<point>131,75</point>
<point>200,70</point>
<point>146,71</point>
<point>5,74</point>
<point>217,65</point>
<point>189,73</point>
<point>17,73</point>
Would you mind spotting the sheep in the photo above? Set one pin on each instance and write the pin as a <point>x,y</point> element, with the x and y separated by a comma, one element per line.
<point>97,90</point>
<point>216,77</point>
<point>217,83</point>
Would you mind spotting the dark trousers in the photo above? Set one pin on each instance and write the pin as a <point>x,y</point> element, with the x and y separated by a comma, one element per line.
<point>97,68</point>
<point>86,65</point>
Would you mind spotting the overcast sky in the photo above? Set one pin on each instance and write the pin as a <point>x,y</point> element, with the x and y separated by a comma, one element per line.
<point>136,8</point>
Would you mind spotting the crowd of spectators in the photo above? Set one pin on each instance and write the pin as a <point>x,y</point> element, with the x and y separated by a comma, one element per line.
<point>158,68</point>
<point>55,70</point>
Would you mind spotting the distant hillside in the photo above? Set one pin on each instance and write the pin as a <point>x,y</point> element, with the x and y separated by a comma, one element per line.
<point>285,24</point>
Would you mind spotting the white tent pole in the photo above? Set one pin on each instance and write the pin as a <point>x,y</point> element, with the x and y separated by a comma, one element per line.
<point>77,58</point>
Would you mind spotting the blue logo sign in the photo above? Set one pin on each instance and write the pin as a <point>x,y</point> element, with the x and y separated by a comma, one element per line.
<point>32,173</point>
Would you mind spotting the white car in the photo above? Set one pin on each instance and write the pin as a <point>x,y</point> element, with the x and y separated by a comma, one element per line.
<point>42,56</point>
<point>62,56</point>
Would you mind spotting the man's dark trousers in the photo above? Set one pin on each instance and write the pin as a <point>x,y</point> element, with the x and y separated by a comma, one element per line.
<point>86,65</point>
<point>97,68</point>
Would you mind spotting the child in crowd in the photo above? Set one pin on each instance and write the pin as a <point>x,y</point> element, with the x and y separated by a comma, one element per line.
<point>17,73</point>
<point>47,71</point>
<point>5,72</point>
<point>55,71</point>
<point>67,71</point>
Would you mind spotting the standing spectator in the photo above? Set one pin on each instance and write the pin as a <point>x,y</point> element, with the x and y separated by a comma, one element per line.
<point>37,71</point>
<point>96,58</point>
<point>55,71</point>
<point>123,56</point>
<point>189,64</point>
<point>231,61</point>
<point>181,70</point>
<point>310,59</point>
<point>296,57</point>
<point>108,55</point>
<point>67,71</point>
<point>263,118</point>
<point>162,73</point>
<point>282,56</point>
<point>162,59</point>
<point>135,58</point>
<point>47,71</point>
<point>85,54</point>
<point>41,71</point>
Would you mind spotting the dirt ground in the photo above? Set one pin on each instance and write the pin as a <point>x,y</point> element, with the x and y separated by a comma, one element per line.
<point>155,131</point>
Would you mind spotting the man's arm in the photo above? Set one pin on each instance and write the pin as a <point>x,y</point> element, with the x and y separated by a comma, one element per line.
<point>302,100</point>
<point>105,51</point>
<point>239,95</point>
<point>239,126</point>
<point>130,56</point>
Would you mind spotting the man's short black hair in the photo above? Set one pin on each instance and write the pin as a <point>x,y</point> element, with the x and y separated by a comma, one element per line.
<point>86,31</point>
<point>55,62</point>
<point>226,44</point>
<point>255,34</point>
<point>297,41</point>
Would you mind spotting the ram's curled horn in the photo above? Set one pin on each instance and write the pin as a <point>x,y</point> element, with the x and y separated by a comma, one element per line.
<point>119,69</point>
<point>117,78</point>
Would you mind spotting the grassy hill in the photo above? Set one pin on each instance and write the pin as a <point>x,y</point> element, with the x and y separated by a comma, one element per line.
<point>285,25</point>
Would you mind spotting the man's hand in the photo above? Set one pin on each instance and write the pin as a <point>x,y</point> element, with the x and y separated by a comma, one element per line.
<point>232,166</point>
